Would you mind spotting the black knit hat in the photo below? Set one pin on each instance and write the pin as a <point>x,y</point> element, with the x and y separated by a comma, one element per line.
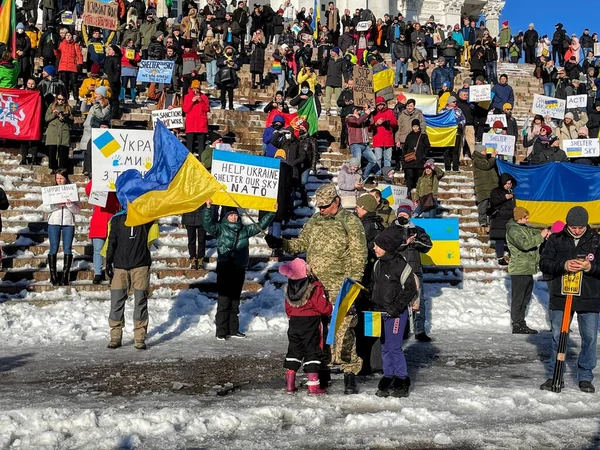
<point>577,217</point>
<point>387,241</point>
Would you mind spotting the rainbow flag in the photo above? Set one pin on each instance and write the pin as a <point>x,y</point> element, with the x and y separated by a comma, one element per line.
<point>442,129</point>
<point>549,191</point>
<point>177,182</point>
<point>344,301</point>
<point>445,239</point>
<point>373,323</point>
<point>8,24</point>
<point>276,67</point>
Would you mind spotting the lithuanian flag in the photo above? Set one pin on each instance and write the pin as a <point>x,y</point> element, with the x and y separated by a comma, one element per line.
<point>8,24</point>
<point>442,129</point>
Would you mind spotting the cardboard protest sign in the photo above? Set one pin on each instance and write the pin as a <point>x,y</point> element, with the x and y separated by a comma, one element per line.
<point>250,181</point>
<point>394,194</point>
<point>427,104</point>
<point>363,86</point>
<point>61,193</point>
<point>98,198</point>
<point>502,144</point>
<point>582,148</point>
<point>480,93</point>
<point>491,118</point>
<point>115,151</point>
<point>100,14</point>
<point>549,106</point>
<point>577,101</point>
<point>155,71</point>
<point>172,118</point>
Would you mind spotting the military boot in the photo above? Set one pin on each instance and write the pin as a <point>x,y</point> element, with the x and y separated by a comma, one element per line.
<point>140,329</point>
<point>116,333</point>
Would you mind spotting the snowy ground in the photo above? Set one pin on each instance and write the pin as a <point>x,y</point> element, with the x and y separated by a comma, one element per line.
<point>474,387</point>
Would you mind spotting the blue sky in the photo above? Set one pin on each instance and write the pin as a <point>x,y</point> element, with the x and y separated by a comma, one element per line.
<point>547,13</point>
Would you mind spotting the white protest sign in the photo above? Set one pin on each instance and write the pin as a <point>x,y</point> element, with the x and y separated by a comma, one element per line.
<point>394,194</point>
<point>582,148</point>
<point>224,146</point>
<point>172,118</point>
<point>596,48</point>
<point>363,26</point>
<point>98,198</point>
<point>577,101</point>
<point>502,144</point>
<point>426,103</point>
<point>115,151</point>
<point>549,106</point>
<point>61,193</point>
<point>480,93</point>
<point>491,118</point>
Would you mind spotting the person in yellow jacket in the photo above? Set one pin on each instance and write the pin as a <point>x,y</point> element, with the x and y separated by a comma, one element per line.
<point>307,74</point>
<point>89,85</point>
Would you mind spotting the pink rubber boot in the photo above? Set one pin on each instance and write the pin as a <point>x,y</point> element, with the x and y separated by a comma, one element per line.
<point>314,385</point>
<point>290,381</point>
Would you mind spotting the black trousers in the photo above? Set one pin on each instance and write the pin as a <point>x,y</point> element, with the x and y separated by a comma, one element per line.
<point>230,282</point>
<point>304,344</point>
<point>229,92</point>
<point>529,55</point>
<point>196,235</point>
<point>520,296</point>
<point>452,154</point>
<point>411,177</point>
<point>29,150</point>
<point>344,134</point>
<point>195,142</point>
<point>260,80</point>
<point>115,109</point>
<point>70,81</point>
<point>62,162</point>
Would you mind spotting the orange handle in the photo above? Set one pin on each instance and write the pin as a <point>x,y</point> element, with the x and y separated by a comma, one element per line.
<point>564,328</point>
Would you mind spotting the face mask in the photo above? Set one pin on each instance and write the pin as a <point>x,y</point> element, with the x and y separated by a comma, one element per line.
<point>304,90</point>
<point>498,131</point>
<point>402,220</point>
<point>20,31</point>
<point>277,126</point>
<point>229,53</point>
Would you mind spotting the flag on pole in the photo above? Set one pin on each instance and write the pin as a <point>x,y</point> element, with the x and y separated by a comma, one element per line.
<point>308,112</point>
<point>8,24</point>
<point>316,18</point>
<point>344,301</point>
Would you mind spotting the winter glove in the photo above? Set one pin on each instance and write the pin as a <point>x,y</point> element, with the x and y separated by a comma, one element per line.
<point>109,270</point>
<point>273,242</point>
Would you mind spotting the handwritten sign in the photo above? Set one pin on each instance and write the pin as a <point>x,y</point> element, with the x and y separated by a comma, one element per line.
<point>363,26</point>
<point>582,148</point>
<point>98,198</point>
<point>491,118</point>
<point>61,193</point>
<point>393,194</point>
<point>571,284</point>
<point>577,101</point>
<point>549,106</point>
<point>115,151</point>
<point>172,118</point>
<point>155,71</point>
<point>250,181</point>
<point>502,144</point>
<point>99,14</point>
<point>480,93</point>
<point>363,86</point>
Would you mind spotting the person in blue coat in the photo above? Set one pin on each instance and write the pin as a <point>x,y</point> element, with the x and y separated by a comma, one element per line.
<point>502,93</point>
<point>277,124</point>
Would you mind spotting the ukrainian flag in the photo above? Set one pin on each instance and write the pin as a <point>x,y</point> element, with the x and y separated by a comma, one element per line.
<point>177,183</point>
<point>373,320</point>
<point>316,18</point>
<point>549,191</point>
<point>445,239</point>
<point>442,129</point>
<point>344,301</point>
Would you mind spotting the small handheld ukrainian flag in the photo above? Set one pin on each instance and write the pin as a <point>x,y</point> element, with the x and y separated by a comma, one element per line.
<point>373,321</point>
<point>177,182</point>
<point>344,301</point>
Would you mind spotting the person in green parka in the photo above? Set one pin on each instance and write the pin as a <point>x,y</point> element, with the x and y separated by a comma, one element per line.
<point>524,247</point>
<point>233,242</point>
<point>485,179</point>
<point>58,132</point>
<point>9,71</point>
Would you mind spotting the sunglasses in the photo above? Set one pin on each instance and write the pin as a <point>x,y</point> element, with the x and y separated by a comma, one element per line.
<point>325,206</point>
<point>508,109</point>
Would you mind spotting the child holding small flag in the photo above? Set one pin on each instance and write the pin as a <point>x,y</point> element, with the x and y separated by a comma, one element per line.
<point>393,288</point>
<point>305,304</point>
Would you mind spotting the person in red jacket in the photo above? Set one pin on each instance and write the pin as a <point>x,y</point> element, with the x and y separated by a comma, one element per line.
<point>196,108</point>
<point>383,125</point>
<point>305,304</point>
<point>99,228</point>
<point>71,60</point>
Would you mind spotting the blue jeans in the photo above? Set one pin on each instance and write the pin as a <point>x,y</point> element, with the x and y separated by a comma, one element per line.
<point>394,362</point>
<point>304,177</point>
<point>383,155</point>
<point>211,72</point>
<point>275,229</point>
<point>281,82</point>
<point>588,330</point>
<point>431,214</point>
<point>549,89</point>
<point>54,232</point>
<point>450,60</point>
<point>401,67</point>
<point>97,243</point>
<point>363,150</point>
<point>491,71</point>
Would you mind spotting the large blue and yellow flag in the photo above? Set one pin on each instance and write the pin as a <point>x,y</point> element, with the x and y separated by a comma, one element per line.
<point>177,183</point>
<point>442,129</point>
<point>445,239</point>
<point>316,19</point>
<point>344,301</point>
<point>548,191</point>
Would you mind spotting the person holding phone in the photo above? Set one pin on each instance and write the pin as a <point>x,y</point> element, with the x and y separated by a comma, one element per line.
<point>574,250</point>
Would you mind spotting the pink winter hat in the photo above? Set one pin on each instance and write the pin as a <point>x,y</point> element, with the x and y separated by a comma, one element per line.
<point>294,270</point>
<point>557,226</point>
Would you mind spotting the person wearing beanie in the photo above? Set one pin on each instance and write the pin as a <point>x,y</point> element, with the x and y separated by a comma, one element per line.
<point>504,41</point>
<point>366,207</point>
<point>575,250</point>
<point>306,94</point>
<point>383,210</point>
<point>524,247</point>
<point>90,85</point>
<point>569,129</point>
<point>502,204</point>
<point>50,85</point>
<point>349,181</point>
<point>452,153</point>
<point>414,151</point>
<point>530,42</point>
<point>502,93</point>
<point>442,73</point>
<point>427,190</point>
<point>96,49</point>
<point>112,71</point>
<point>99,111</point>
<point>306,304</point>
<point>334,80</point>
<point>196,108</point>
<point>278,103</point>
<point>383,124</point>
<point>395,291</point>
<point>485,180</point>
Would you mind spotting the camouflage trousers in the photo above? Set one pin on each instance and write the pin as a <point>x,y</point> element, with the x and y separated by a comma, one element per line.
<point>344,350</point>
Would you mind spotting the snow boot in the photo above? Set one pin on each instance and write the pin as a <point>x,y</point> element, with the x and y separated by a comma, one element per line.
<point>422,337</point>
<point>140,328</point>
<point>116,333</point>
<point>383,388</point>
<point>67,270</point>
<point>400,387</point>
<point>324,378</point>
<point>587,386</point>
<point>350,384</point>
<point>290,381</point>
<point>313,385</point>
<point>52,268</point>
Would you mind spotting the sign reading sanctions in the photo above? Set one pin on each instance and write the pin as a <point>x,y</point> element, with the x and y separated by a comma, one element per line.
<point>172,118</point>
<point>101,15</point>
<point>151,71</point>
<point>253,181</point>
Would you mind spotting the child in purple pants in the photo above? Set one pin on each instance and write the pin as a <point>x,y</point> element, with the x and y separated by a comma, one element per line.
<point>393,289</point>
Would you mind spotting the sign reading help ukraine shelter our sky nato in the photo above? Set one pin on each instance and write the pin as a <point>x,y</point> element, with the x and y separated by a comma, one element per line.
<point>251,182</point>
<point>151,71</point>
<point>445,239</point>
<point>115,151</point>
<point>582,148</point>
<point>549,106</point>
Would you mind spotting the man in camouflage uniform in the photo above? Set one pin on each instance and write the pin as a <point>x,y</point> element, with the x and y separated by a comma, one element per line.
<point>336,248</point>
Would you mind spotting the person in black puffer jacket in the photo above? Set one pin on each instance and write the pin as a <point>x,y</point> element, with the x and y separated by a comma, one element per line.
<point>416,143</point>
<point>502,203</point>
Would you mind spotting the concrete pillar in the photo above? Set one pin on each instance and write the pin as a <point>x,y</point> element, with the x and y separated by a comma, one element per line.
<point>491,11</point>
<point>454,10</point>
